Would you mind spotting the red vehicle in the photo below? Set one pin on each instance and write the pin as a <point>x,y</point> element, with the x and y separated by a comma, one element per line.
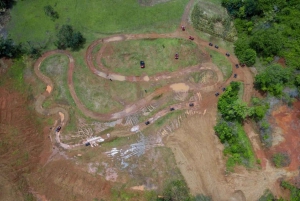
<point>183,28</point>
<point>176,56</point>
<point>191,38</point>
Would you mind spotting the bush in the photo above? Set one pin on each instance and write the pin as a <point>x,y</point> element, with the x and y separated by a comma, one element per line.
<point>281,160</point>
<point>176,191</point>
<point>9,49</point>
<point>49,11</point>
<point>267,196</point>
<point>273,79</point>
<point>295,192</point>
<point>67,38</point>
<point>248,57</point>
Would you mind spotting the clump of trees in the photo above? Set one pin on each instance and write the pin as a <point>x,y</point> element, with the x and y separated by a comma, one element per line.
<point>5,4</point>
<point>273,79</point>
<point>68,38</point>
<point>266,29</point>
<point>9,49</point>
<point>50,12</point>
<point>229,126</point>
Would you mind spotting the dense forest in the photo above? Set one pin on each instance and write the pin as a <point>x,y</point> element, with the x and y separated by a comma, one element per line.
<point>268,29</point>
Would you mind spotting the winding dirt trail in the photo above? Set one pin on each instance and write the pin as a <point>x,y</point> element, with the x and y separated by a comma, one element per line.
<point>243,75</point>
<point>197,155</point>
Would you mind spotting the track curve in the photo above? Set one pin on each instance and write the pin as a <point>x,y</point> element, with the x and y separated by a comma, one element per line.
<point>106,74</point>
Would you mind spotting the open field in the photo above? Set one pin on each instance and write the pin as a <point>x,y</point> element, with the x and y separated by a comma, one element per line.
<point>29,22</point>
<point>158,55</point>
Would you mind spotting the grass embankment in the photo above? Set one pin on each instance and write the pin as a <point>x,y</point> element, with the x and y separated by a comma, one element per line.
<point>222,62</point>
<point>92,18</point>
<point>229,128</point>
<point>158,55</point>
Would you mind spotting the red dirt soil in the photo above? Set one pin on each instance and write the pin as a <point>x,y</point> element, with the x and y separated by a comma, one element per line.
<point>288,120</point>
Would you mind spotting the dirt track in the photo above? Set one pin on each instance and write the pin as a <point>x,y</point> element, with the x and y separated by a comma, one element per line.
<point>197,150</point>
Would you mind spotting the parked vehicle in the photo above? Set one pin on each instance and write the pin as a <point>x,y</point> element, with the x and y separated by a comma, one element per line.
<point>142,64</point>
<point>58,129</point>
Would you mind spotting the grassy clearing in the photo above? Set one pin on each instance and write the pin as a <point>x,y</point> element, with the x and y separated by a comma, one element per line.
<point>241,91</point>
<point>161,121</point>
<point>56,68</point>
<point>92,18</point>
<point>101,95</point>
<point>222,62</point>
<point>203,76</point>
<point>158,55</point>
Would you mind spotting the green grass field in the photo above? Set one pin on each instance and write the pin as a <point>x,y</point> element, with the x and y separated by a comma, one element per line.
<point>98,94</point>
<point>56,68</point>
<point>93,18</point>
<point>158,54</point>
<point>222,62</point>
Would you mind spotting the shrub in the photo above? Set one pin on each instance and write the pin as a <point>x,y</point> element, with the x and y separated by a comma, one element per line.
<point>68,38</point>
<point>281,160</point>
<point>49,11</point>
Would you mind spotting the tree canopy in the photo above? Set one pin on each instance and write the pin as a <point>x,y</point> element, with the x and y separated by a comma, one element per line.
<point>49,11</point>
<point>4,4</point>
<point>68,38</point>
<point>248,57</point>
<point>273,79</point>
<point>8,48</point>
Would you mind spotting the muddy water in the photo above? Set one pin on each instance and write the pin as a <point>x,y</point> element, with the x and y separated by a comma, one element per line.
<point>289,121</point>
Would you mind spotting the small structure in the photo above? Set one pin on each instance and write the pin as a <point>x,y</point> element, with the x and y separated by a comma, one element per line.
<point>142,64</point>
